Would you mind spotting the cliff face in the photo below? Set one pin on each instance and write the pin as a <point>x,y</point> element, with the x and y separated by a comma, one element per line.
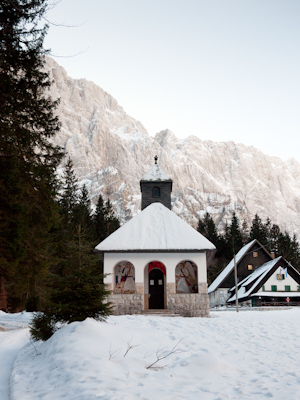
<point>111,151</point>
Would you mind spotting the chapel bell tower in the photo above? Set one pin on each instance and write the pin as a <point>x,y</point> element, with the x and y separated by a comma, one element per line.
<point>156,187</point>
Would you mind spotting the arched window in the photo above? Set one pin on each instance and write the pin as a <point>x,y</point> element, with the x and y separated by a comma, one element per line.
<point>155,191</point>
<point>124,278</point>
<point>186,277</point>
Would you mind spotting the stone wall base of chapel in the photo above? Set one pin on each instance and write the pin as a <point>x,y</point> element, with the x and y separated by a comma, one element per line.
<point>186,304</point>
<point>189,305</point>
<point>124,304</point>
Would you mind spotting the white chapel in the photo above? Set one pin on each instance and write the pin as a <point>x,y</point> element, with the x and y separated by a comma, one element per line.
<point>156,261</point>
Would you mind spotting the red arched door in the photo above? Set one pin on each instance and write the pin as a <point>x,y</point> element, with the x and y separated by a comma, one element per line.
<point>156,289</point>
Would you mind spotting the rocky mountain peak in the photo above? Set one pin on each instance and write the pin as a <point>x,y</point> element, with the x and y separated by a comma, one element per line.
<point>111,151</point>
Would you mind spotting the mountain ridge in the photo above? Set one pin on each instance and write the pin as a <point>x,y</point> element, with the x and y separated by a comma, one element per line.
<point>111,151</point>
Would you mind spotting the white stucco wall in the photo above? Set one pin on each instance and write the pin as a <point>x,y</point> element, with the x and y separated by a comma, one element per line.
<point>288,281</point>
<point>141,260</point>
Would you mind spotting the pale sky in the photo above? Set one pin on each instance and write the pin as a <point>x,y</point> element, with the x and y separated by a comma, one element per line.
<point>217,69</point>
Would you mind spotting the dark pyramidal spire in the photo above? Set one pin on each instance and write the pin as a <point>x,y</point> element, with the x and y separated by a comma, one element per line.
<point>156,186</point>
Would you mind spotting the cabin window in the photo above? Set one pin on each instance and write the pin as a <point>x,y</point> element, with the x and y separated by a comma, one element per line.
<point>274,288</point>
<point>263,288</point>
<point>255,254</point>
<point>298,288</point>
<point>287,288</point>
<point>155,191</point>
<point>250,267</point>
<point>280,277</point>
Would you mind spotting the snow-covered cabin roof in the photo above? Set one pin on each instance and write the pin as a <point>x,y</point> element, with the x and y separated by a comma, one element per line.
<point>156,228</point>
<point>256,277</point>
<point>155,173</point>
<point>226,271</point>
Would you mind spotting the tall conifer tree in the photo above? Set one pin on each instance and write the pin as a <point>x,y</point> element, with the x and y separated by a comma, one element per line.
<point>99,220</point>
<point>207,227</point>
<point>82,214</point>
<point>69,197</point>
<point>77,289</point>
<point>28,159</point>
<point>112,222</point>
<point>259,230</point>
<point>105,221</point>
<point>245,232</point>
<point>234,236</point>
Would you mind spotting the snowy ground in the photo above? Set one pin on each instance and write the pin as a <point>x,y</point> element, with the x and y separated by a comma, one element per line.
<point>13,336</point>
<point>245,355</point>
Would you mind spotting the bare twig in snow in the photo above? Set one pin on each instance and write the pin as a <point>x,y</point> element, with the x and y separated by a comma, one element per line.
<point>161,354</point>
<point>130,346</point>
<point>113,353</point>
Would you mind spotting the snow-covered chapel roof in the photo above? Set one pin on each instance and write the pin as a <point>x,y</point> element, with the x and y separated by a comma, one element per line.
<point>156,228</point>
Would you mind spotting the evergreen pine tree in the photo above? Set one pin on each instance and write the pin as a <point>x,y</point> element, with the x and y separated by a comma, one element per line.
<point>28,159</point>
<point>268,227</point>
<point>216,264</point>
<point>82,214</point>
<point>77,285</point>
<point>245,232</point>
<point>288,248</point>
<point>258,230</point>
<point>207,228</point>
<point>112,222</point>
<point>77,293</point>
<point>104,223</point>
<point>99,221</point>
<point>295,253</point>
<point>69,197</point>
<point>272,240</point>
<point>201,227</point>
<point>234,237</point>
<point>104,220</point>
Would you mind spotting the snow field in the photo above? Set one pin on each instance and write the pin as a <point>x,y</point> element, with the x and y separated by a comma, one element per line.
<point>245,355</point>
